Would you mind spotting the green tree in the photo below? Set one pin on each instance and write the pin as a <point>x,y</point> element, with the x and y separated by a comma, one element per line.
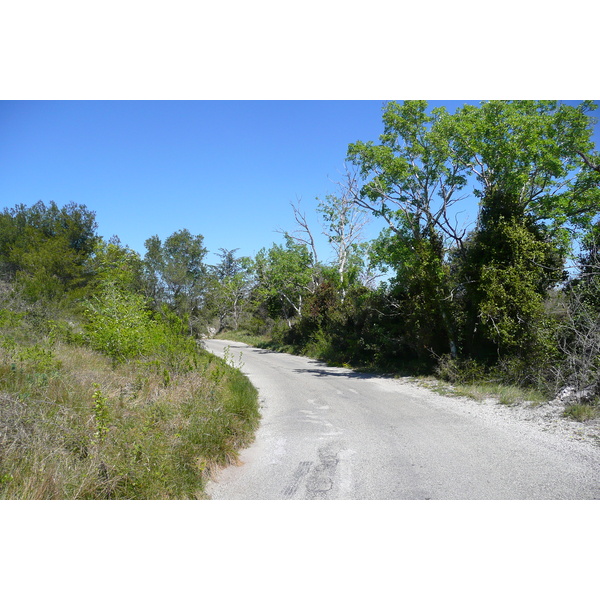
<point>419,292</point>
<point>284,278</point>
<point>232,280</point>
<point>412,180</point>
<point>506,270</point>
<point>176,273</point>
<point>531,152</point>
<point>531,187</point>
<point>411,176</point>
<point>45,249</point>
<point>118,264</point>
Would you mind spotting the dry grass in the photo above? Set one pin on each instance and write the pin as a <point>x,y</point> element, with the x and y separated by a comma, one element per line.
<point>74,426</point>
<point>504,394</point>
<point>582,412</point>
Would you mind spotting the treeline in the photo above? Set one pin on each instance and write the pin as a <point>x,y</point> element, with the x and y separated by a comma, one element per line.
<point>104,394</point>
<point>513,295</point>
<point>516,296</point>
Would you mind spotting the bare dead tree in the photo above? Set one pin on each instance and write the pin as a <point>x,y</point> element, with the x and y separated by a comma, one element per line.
<point>302,235</point>
<point>345,222</point>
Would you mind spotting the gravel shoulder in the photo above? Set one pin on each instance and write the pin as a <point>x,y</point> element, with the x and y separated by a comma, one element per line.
<point>545,417</point>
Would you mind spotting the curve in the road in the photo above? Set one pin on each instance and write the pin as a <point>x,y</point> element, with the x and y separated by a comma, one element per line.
<point>332,433</point>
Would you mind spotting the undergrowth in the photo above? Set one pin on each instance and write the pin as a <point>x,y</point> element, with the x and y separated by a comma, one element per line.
<point>582,412</point>
<point>75,424</point>
<point>449,377</point>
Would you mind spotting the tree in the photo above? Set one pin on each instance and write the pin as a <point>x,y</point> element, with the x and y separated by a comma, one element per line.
<point>46,248</point>
<point>176,273</point>
<point>523,156</point>
<point>344,222</point>
<point>120,265</point>
<point>412,180</point>
<point>412,177</point>
<point>303,235</point>
<point>505,271</point>
<point>230,290</point>
<point>530,151</point>
<point>284,278</point>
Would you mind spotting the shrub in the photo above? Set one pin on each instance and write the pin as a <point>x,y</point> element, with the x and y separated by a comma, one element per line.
<point>119,324</point>
<point>457,370</point>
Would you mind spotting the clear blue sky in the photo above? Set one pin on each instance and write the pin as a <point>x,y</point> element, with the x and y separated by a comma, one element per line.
<point>227,170</point>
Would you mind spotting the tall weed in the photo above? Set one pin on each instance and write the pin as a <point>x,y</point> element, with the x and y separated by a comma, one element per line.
<point>79,424</point>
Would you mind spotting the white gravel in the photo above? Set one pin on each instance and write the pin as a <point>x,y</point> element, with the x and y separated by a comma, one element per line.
<point>546,417</point>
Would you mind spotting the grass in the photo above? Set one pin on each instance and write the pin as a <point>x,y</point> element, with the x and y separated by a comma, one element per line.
<point>244,337</point>
<point>582,412</point>
<point>505,394</point>
<point>73,425</point>
<point>436,385</point>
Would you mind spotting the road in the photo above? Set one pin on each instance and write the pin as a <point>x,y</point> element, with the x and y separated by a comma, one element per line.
<point>331,433</point>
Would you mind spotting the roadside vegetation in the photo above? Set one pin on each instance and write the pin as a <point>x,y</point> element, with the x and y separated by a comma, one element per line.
<point>79,420</point>
<point>505,305</point>
<point>103,396</point>
<point>75,426</point>
<point>105,391</point>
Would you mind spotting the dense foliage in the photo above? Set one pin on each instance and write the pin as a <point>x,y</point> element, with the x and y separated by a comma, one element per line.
<point>496,296</point>
<point>103,391</point>
<point>45,248</point>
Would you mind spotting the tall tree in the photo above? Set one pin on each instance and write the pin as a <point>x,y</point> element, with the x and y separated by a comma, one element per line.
<point>176,272</point>
<point>46,248</point>
<point>531,151</point>
<point>525,159</point>
<point>230,289</point>
<point>344,223</point>
<point>412,181</point>
<point>411,176</point>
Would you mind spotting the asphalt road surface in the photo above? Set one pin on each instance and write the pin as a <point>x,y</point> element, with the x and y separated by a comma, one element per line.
<point>332,434</point>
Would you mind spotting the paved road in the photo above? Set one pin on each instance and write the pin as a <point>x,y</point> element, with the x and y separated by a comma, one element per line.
<point>331,433</point>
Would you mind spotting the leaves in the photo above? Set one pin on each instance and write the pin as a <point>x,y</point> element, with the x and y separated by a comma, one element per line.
<point>231,283</point>
<point>119,324</point>
<point>46,248</point>
<point>176,273</point>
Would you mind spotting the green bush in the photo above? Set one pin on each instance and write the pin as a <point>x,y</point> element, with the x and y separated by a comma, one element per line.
<point>119,324</point>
